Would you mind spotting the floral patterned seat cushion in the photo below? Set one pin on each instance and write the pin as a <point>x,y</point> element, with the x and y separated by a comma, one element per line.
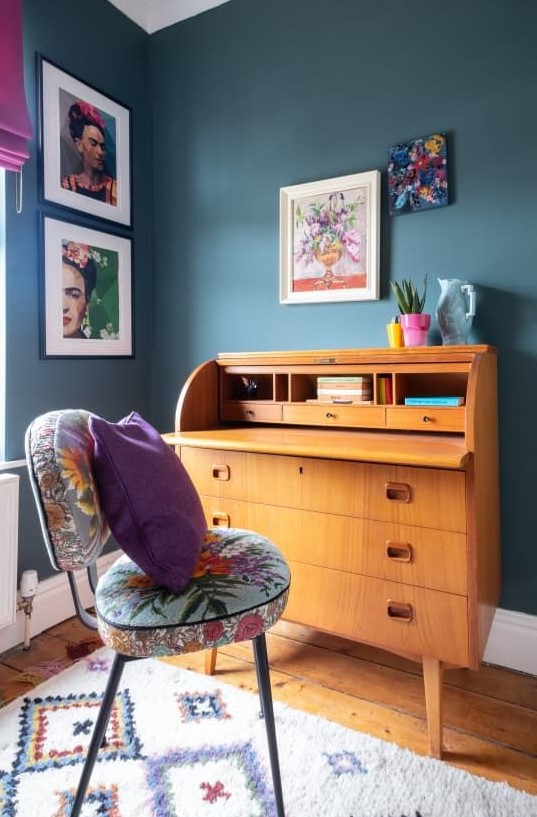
<point>59,451</point>
<point>239,589</point>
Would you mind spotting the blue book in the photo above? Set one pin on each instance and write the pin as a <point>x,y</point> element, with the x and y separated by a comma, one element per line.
<point>434,401</point>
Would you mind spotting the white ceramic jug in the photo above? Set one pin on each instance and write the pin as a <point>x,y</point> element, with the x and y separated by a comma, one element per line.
<point>455,310</point>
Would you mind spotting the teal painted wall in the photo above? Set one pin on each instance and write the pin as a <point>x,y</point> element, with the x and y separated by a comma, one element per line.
<point>259,94</point>
<point>102,47</point>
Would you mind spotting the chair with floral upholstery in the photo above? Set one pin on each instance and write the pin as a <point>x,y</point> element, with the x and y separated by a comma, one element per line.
<point>234,587</point>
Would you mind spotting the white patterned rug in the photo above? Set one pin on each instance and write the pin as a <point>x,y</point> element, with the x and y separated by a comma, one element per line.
<point>181,744</point>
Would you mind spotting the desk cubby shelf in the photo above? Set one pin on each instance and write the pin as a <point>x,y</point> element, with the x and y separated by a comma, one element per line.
<point>276,392</point>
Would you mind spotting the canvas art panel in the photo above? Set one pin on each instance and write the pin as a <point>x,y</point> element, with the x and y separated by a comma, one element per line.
<point>84,146</point>
<point>329,240</point>
<point>417,174</point>
<point>86,292</point>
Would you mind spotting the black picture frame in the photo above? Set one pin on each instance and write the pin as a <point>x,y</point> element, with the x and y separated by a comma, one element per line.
<point>84,147</point>
<point>86,291</point>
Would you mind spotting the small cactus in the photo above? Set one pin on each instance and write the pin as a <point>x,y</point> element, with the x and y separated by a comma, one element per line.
<point>407,296</point>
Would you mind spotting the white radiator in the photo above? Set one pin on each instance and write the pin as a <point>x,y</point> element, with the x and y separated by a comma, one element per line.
<point>9,545</point>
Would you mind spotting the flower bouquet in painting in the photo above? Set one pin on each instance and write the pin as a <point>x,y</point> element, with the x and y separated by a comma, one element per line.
<point>330,243</point>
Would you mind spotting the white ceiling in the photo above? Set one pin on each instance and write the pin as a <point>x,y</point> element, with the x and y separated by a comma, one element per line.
<point>151,15</point>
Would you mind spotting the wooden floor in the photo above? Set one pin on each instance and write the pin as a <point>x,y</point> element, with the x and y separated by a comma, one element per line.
<point>490,716</point>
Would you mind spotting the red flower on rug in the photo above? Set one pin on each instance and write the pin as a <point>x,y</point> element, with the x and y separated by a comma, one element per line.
<point>214,792</point>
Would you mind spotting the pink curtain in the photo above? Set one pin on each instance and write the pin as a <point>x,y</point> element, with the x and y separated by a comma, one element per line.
<point>15,127</point>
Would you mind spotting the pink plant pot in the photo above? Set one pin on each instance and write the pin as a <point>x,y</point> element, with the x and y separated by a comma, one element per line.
<point>415,328</point>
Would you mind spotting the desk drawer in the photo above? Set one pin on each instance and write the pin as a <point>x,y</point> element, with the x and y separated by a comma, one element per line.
<point>389,615</point>
<point>422,497</point>
<point>417,556</point>
<point>217,473</point>
<point>426,418</point>
<point>334,414</point>
<point>252,412</point>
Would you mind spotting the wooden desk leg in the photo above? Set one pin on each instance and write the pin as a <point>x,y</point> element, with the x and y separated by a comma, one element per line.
<point>210,661</point>
<point>432,680</point>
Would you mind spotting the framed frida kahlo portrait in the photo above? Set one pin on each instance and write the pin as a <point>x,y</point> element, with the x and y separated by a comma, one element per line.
<point>85,147</point>
<point>329,240</point>
<point>86,292</point>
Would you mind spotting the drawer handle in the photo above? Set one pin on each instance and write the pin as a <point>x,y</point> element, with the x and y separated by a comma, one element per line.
<point>399,551</point>
<point>219,519</point>
<point>330,416</point>
<point>397,491</point>
<point>399,611</point>
<point>426,418</point>
<point>250,413</point>
<point>221,472</point>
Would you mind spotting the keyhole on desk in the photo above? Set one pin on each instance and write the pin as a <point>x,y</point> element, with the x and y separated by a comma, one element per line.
<point>300,469</point>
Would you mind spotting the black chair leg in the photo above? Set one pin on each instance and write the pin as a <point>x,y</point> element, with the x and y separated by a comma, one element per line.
<point>99,731</point>
<point>265,693</point>
<point>256,665</point>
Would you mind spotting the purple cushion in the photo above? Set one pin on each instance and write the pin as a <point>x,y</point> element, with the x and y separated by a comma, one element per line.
<point>149,501</point>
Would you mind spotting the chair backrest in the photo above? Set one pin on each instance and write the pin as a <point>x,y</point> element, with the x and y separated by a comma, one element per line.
<point>59,454</point>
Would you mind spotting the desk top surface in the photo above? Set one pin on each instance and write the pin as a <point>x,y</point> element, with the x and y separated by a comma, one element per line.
<point>426,450</point>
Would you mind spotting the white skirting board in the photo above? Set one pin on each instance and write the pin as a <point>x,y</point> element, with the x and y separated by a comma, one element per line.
<point>512,642</point>
<point>52,604</point>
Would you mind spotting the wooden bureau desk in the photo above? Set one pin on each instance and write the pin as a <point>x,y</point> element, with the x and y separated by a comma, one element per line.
<point>387,513</point>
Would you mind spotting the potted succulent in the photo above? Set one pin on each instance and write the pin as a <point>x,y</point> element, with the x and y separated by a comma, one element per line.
<point>414,321</point>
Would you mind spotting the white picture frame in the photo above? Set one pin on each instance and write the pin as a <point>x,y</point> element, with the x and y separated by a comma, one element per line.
<point>330,240</point>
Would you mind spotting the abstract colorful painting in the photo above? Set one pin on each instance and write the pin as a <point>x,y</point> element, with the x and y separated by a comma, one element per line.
<point>417,175</point>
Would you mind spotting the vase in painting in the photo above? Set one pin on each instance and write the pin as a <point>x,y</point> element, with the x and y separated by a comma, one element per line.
<point>328,258</point>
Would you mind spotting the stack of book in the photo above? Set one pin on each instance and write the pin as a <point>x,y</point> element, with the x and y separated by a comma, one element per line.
<point>345,389</point>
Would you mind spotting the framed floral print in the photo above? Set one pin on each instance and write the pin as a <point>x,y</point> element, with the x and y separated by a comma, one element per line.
<point>330,240</point>
<point>85,152</point>
<point>86,292</point>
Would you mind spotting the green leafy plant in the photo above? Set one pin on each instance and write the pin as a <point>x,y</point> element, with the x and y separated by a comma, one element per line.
<point>407,296</point>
